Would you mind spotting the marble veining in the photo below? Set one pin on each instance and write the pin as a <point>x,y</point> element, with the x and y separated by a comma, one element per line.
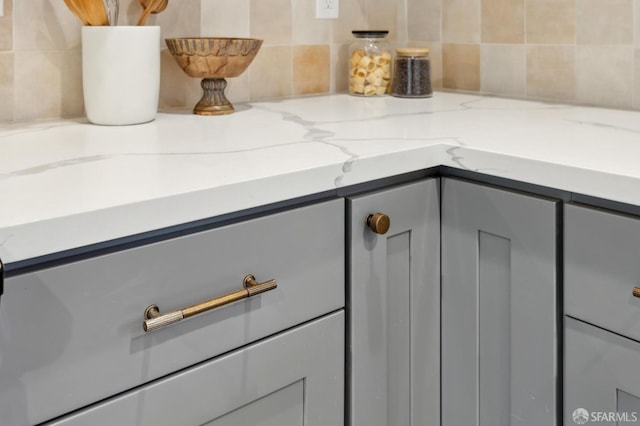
<point>55,165</point>
<point>67,184</point>
<point>605,126</point>
<point>455,157</point>
<point>316,134</point>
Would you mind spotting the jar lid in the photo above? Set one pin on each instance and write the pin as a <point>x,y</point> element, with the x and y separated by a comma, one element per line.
<point>412,51</point>
<point>370,33</point>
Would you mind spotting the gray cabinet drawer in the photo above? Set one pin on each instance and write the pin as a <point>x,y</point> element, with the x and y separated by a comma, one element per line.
<point>72,335</point>
<point>601,376</point>
<point>296,378</point>
<point>602,266</point>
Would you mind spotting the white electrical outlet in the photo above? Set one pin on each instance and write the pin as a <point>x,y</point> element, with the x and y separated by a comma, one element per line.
<point>326,9</point>
<point>1,8</point>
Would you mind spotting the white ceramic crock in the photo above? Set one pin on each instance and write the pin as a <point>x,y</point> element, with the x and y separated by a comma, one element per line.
<point>121,73</point>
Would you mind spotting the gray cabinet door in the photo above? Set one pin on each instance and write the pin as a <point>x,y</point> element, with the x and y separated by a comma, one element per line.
<point>499,313</point>
<point>394,300</point>
<point>78,326</point>
<point>602,378</point>
<point>293,379</point>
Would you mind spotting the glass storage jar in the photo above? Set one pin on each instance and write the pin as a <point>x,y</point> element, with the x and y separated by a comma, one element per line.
<point>369,64</point>
<point>412,73</point>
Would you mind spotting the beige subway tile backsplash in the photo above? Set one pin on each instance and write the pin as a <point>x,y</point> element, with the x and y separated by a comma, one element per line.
<point>71,96</point>
<point>604,21</point>
<point>461,21</point>
<point>224,18</point>
<point>48,85</point>
<point>6,27</point>
<point>502,69</point>
<point>44,25</point>
<point>461,66</point>
<point>36,86</point>
<point>6,86</point>
<point>353,16</point>
<point>181,20</point>
<point>271,74</point>
<point>551,21</point>
<point>271,20</point>
<point>306,28</point>
<point>311,70</point>
<point>551,72</point>
<point>583,51</point>
<point>383,15</point>
<point>605,75</point>
<point>502,21</point>
<point>636,24</point>
<point>340,68</point>
<point>423,20</point>
<point>636,80</point>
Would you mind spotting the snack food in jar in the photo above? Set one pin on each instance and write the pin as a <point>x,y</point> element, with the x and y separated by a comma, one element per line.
<point>370,64</point>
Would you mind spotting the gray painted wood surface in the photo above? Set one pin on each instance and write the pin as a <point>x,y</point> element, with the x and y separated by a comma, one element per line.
<point>499,316</point>
<point>395,308</point>
<point>602,266</point>
<point>601,373</point>
<point>72,335</point>
<point>293,379</point>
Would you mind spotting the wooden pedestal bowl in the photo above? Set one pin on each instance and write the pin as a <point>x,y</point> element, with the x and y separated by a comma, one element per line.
<point>213,59</point>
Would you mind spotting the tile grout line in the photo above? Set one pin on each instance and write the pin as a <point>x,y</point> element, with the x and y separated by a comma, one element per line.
<point>526,47</point>
<point>634,58</point>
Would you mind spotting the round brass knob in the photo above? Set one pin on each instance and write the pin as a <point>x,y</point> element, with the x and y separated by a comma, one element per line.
<point>636,291</point>
<point>378,223</point>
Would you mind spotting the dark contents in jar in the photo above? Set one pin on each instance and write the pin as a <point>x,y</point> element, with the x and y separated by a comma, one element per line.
<point>412,77</point>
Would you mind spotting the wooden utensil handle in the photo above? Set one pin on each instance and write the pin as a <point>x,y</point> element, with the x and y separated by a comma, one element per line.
<point>145,14</point>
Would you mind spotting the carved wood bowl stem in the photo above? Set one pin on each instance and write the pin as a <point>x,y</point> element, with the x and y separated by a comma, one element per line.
<point>213,101</point>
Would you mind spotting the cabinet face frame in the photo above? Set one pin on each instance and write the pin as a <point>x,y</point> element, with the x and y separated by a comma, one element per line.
<point>500,298</point>
<point>394,308</point>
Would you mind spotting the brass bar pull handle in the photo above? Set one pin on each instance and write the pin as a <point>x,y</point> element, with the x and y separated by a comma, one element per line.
<point>153,320</point>
<point>636,292</point>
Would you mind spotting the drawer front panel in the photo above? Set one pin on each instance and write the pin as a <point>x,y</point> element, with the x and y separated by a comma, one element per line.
<point>73,334</point>
<point>296,378</point>
<point>601,376</point>
<point>602,267</point>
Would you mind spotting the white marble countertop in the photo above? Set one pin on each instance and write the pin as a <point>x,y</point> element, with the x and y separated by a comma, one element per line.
<point>68,184</point>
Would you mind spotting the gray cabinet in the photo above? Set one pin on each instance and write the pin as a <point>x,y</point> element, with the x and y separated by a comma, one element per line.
<point>293,379</point>
<point>73,334</point>
<point>601,375</point>
<point>602,326</point>
<point>602,254</point>
<point>499,307</point>
<point>394,308</point>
